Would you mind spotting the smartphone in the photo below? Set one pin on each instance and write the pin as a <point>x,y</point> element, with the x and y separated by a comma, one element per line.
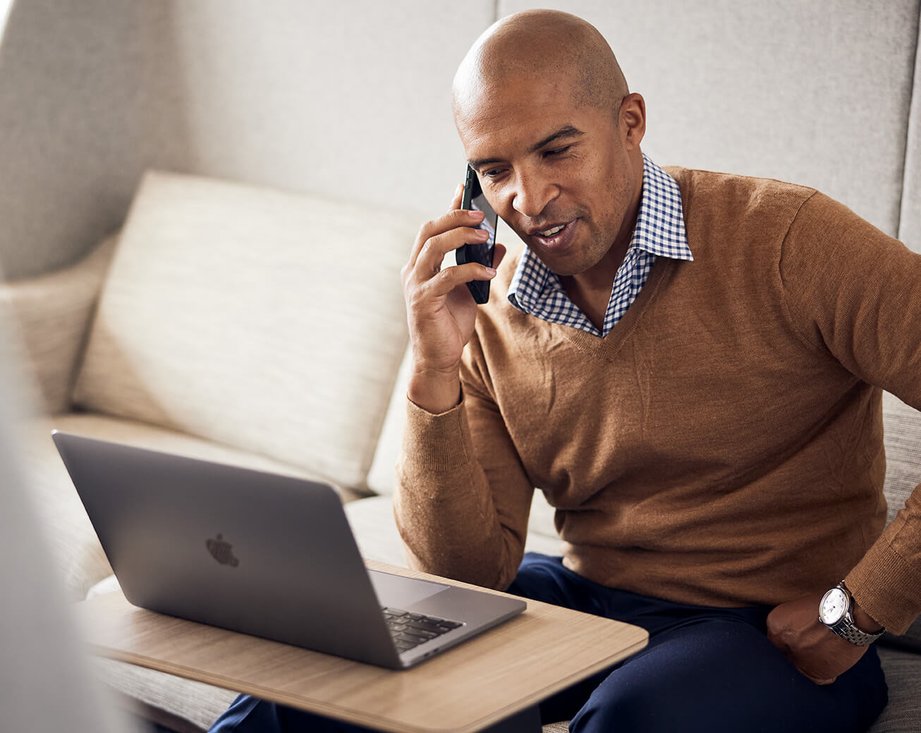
<point>481,253</point>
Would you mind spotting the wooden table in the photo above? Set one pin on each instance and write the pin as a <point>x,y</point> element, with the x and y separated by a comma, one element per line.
<point>498,676</point>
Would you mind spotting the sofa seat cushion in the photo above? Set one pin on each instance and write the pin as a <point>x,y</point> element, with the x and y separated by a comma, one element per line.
<point>72,538</point>
<point>378,539</point>
<point>264,320</point>
<point>193,702</point>
<point>903,674</point>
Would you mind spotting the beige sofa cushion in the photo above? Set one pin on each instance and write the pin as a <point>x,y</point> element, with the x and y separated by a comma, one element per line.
<point>51,315</point>
<point>903,451</point>
<point>268,321</point>
<point>382,477</point>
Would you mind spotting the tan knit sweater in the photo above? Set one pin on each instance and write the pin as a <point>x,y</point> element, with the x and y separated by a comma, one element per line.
<point>721,446</point>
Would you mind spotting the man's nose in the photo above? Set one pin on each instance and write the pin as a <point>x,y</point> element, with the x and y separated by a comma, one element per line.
<point>532,194</point>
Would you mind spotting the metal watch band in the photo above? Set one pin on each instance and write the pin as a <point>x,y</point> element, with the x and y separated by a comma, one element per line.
<point>846,629</point>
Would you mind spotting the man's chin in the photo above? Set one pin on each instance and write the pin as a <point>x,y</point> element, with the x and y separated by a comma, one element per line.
<point>561,265</point>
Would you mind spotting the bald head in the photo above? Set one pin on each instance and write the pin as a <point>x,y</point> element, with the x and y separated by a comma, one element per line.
<point>546,45</point>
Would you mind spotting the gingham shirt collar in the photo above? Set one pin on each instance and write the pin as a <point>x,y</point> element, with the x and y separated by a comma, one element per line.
<point>659,232</point>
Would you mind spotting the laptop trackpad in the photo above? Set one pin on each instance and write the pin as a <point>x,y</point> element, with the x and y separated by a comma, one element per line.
<point>398,592</point>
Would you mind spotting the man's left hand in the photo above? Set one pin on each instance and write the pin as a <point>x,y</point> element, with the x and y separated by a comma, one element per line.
<point>813,648</point>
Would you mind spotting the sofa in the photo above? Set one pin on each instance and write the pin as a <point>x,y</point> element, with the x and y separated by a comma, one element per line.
<point>205,218</point>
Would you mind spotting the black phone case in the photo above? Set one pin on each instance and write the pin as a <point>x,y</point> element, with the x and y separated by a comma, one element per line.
<point>481,253</point>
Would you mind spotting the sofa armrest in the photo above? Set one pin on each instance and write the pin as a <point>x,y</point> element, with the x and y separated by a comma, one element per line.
<point>52,314</point>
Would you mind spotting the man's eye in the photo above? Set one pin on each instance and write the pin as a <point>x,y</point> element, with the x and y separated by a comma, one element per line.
<point>492,172</point>
<point>553,152</point>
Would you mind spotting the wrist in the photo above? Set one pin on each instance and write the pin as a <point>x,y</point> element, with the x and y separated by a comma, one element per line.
<point>434,392</point>
<point>865,622</point>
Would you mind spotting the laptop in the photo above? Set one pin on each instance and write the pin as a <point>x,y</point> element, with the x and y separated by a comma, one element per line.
<point>263,554</point>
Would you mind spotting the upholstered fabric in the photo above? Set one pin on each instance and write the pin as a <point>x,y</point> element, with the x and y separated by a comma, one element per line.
<point>903,714</point>
<point>194,702</point>
<point>52,314</point>
<point>903,465</point>
<point>903,451</point>
<point>910,227</point>
<point>382,477</point>
<point>268,321</point>
<point>777,89</point>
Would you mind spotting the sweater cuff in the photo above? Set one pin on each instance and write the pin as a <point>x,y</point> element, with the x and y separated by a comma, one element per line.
<point>886,585</point>
<point>436,444</point>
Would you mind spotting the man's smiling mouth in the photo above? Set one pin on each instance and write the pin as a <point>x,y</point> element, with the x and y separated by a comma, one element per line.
<point>554,236</point>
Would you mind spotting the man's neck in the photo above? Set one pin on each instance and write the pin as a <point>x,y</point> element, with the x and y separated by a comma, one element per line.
<point>591,290</point>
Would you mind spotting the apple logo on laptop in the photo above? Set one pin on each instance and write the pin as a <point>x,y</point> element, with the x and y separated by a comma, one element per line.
<point>222,551</point>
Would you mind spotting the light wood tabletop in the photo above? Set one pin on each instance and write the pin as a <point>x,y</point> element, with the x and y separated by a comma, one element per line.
<point>470,687</point>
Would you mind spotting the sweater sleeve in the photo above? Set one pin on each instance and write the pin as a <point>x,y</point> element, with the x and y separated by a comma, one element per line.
<point>463,498</point>
<point>855,293</point>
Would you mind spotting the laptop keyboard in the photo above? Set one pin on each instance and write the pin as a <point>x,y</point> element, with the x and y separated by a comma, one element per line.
<point>412,629</point>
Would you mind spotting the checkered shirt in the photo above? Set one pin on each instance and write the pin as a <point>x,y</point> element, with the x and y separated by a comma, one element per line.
<point>659,232</point>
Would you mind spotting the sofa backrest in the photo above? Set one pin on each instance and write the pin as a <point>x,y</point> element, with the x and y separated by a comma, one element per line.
<point>910,225</point>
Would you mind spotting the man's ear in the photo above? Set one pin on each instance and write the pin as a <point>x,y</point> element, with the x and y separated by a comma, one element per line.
<point>633,119</point>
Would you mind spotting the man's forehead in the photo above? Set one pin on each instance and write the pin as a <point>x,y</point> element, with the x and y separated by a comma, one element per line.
<point>491,89</point>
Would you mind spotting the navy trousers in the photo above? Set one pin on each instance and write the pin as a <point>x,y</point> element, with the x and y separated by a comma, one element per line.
<point>705,669</point>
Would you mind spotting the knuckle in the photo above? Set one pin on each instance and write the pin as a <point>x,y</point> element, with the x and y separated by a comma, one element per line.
<point>425,229</point>
<point>425,249</point>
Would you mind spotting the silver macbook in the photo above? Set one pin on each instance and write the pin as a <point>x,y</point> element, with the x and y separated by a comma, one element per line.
<point>262,554</point>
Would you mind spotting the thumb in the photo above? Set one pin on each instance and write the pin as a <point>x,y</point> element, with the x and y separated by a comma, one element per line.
<point>498,255</point>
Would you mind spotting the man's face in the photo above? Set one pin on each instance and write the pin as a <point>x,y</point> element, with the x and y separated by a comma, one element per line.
<point>563,176</point>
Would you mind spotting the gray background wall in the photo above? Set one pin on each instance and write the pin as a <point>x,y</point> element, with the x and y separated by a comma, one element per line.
<point>351,100</point>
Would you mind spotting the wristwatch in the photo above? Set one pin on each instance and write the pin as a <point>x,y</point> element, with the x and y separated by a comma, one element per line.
<point>836,611</point>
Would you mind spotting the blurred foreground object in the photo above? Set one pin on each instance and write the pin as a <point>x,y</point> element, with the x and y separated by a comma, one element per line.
<point>45,679</point>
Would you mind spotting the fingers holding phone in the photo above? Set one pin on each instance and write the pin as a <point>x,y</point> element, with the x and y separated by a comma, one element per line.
<point>481,251</point>
<point>440,307</point>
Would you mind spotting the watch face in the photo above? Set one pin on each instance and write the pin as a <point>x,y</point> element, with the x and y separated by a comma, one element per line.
<point>833,607</point>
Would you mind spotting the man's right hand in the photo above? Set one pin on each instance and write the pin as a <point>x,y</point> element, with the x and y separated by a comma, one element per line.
<point>440,310</point>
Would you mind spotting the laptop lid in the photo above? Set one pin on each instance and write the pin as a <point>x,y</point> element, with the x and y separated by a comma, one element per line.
<point>254,552</point>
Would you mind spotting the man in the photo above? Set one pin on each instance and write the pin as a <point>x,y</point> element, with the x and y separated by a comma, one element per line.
<point>683,364</point>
